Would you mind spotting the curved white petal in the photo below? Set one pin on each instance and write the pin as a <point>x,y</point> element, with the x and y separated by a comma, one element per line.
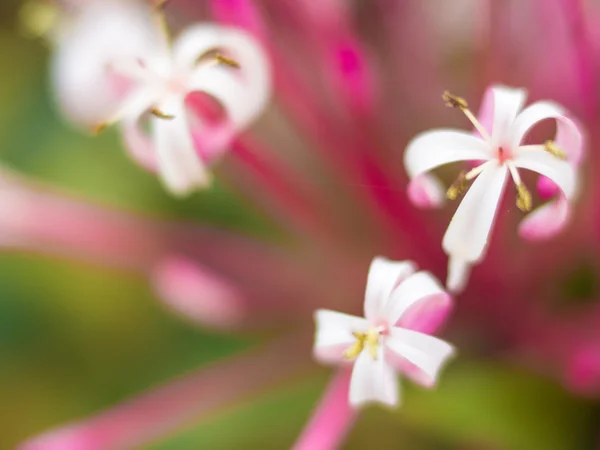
<point>568,137</point>
<point>137,141</point>
<point>459,271</point>
<point>333,334</point>
<point>179,166</point>
<point>468,233</point>
<point>426,191</point>
<point>546,221</point>
<point>432,149</point>
<point>421,286</point>
<point>560,171</point>
<point>507,104</point>
<point>425,352</point>
<point>384,276</point>
<point>244,91</point>
<point>373,380</point>
<point>99,34</point>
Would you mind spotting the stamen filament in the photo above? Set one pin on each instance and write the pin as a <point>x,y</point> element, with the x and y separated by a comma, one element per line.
<point>458,187</point>
<point>454,101</point>
<point>161,115</point>
<point>471,174</point>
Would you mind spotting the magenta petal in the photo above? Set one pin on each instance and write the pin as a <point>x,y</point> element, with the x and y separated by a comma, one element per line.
<point>425,192</point>
<point>428,314</point>
<point>547,188</point>
<point>546,221</point>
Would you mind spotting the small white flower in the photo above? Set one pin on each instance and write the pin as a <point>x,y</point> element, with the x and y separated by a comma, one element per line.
<point>224,63</point>
<point>398,302</point>
<point>498,149</point>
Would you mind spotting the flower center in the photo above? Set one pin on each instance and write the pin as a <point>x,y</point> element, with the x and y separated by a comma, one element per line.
<point>368,340</point>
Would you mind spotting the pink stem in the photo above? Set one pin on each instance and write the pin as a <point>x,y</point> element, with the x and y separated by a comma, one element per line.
<point>582,48</point>
<point>332,418</point>
<point>152,415</point>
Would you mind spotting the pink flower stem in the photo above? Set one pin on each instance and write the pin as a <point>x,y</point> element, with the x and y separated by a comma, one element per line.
<point>583,53</point>
<point>150,416</point>
<point>332,418</point>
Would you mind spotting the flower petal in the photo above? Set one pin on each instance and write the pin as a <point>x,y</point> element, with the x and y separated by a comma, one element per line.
<point>99,34</point>
<point>568,137</point>
<point>334,335</point>
<point>243,91</point>
<point>560,171</point>
<point>384,276</point>
<point>507,104</point>
<point>179,166</point>
<point>373,380</point>
<point>425,352</point>
<point>468,233</point>
<point>426,191</point>
<point>432,149</point>
<point>546,221</point>
<point>419,287</point>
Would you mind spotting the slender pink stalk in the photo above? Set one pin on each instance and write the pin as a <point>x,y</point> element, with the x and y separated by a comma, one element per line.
<point>584,54</point>
<point>150,416</point>
<point>332,418</point>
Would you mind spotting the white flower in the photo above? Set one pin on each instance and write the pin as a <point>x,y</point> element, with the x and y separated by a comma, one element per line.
<point>223,63</point>
<point>398,301</point>
<point>498,149</point>
<point>92,35</point>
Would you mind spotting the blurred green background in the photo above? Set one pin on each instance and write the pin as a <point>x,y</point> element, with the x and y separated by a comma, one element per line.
<point>75,339</point>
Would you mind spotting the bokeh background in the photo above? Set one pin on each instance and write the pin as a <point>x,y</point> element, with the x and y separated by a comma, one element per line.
<point>76,338</point>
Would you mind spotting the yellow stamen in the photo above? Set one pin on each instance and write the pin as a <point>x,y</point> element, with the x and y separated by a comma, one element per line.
<point>227,61</point>
<point>523,198</point>
<point>99,128</point>
<point>454,101</point>
<point>457,188</point>
<point>161,115</point>
<point>370,339</point>
<point>357,347</point>
<point>553,149</point>
<point>161,4</point>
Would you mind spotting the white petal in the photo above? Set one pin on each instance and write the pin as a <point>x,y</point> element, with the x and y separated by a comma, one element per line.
<point>373,380</point>
<point>137,142</point>
<point>432,149</point>
<point>334,334</point>
<point>507,104</point>
<point>100,33</point>
<point>558,170</point>
<point>468,233</point>
<point>568,137</point>
<point>384,276</point>
<point>546,221</point>
<point>179,166</point>
<point>459,271</point>
<point>243,91</point>
<point>426,352</point>
<point>421,286</point>
<point>196,40</point>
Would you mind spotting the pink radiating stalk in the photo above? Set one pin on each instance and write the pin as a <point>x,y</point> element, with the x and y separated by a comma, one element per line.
<point>199,294</point>
<point>583,53</point>
<point>153,415</point>
<point>368,176</point>
<point>275,180</point>
<point>332,418</point>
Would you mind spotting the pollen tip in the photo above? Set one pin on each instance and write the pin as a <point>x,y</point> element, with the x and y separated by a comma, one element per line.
<point>553,149</point>
<point>457,188</point>
<point>161,115</point>
<point>524,202</point>
<point>453,101</point>
<point>227,61</point>
<point>99,128</point>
